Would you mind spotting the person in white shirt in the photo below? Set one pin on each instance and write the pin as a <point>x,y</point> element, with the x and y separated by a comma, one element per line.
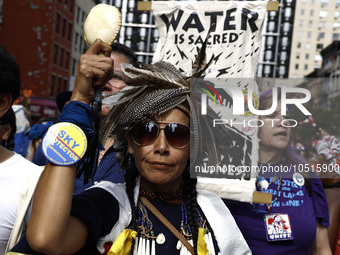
<point>18,176</point>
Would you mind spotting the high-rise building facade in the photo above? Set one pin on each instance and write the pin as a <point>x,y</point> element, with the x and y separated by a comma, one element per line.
<point>316,25</point>
<point>39,34</point>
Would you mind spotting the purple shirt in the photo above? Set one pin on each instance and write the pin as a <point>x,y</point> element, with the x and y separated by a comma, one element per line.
<point>291,199</point>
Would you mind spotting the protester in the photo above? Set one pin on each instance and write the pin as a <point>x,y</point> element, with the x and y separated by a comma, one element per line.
<point>328,167</point>
<point>302,150</point>
<point>151,125</point>
<point>296,221</point>
<point>107,168</point>
<point>18,176</point>
<point>7,129</point>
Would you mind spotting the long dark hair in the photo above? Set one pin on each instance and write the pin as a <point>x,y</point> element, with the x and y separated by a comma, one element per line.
<point>189,196</point>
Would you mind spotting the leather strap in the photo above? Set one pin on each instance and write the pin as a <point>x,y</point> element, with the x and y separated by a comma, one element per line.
<point>160,216</point>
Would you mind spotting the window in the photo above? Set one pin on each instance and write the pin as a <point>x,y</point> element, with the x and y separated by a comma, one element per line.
<point>306,67</point>
<point>67,59</point>
<point>310,23</point>
<point>301,23</point>
<point>267,69</point>
<point>55,54</point>
<point>322,24</point>
<point>286,27</point>
<point>57,23</point>
<point>336,37</point>
<point>296,66</point>
<point>321,35</point>
<point>299,45</point>
<point>337,3</point>
<point>307,56</point>
<point>269,55</point>
<point>284,41</point>
<point>76,40</point>
<point>61,59</point>
<point>336,14</point>
<point>319,46</point>
<point>64,27</point>
<point>309,34</point>
<point>323,14</point>
<point>65,84</point>
<point>71,6</point>
<point>288,12</point>
<point>311,13</point>
<point>302,12</point>
<point>270,40</point>
<point>52,84</point>
<point>65,4</point>
<point>69,32</point>
<point>308,45</point>
<point>324,2</point>
<point>317,58</point>
<point>299,34</point>
<point>336,25</point>
<point>297,55</point>
<point>74,64</point>
<point>283,56</point>
<point>271,26</point>
<point>59,84</point>
<point>282,70</point>
<point>78,14</point>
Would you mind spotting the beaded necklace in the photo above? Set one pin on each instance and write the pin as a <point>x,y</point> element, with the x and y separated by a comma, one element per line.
<point>146,239</point>
<point>151,195</point>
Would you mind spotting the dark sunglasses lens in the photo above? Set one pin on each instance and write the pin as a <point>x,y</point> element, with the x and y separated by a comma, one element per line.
<point>178,135</point>
<point>144,133</point>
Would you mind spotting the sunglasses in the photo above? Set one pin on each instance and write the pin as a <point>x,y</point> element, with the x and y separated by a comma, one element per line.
<point>300,148</point>
<point>118,78</point>
<point>145,133</point>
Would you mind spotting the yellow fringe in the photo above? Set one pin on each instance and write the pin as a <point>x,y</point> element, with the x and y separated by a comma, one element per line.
<point>122,244</point>
<point>201,244</point>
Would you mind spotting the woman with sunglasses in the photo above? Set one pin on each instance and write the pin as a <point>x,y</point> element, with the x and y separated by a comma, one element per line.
<point>150,125</point>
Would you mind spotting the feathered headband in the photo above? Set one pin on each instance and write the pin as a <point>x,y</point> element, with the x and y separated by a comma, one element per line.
<point>155,89</point>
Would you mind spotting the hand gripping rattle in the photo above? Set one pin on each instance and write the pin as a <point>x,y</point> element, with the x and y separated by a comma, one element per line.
<point>104,22</point>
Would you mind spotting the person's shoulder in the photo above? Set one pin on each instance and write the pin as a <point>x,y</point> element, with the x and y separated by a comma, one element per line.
<point>28,165</point>
<point>333,196</point>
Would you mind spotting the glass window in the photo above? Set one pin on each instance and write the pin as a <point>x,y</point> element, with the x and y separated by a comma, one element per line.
<point>61,57</point>
<point>307,56</point>
<point>302,12</point>
<point>52,84</point>
<point>324,2</point>
<point>301,23</point>
<point>69,32</point>
<point>317,58</point>
<point>308,45</point>
<point>319,46</point>
<point>283,56</point>
<point>323,13</point>
<point>336,36</point>
<point>306,67</point>
<point>310,23</point>
<point>270,40</point>
<point>299,44</point>
<point>271,26</point>
<point>336,14</point>
<point>337,3</point>
<point>299,34</point>
<point>309,34</point>
<point>267,69</point>
<point>269,54</point>
<point>57,24</point>
<point>282,70</point>
<point>67,59</point>
<point>296,66</point>
<point>285,41</point>
<point>288,12</point>
<point>298,55</point>
<point>55,54</point>
<point>64,28</point>
<point>59,84</point>
<point>71,6</point>
<point>322,24</point>
<point>336,24</point>
<point>286,27</point>
<point>321,35</point>
<point>311,13</point>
